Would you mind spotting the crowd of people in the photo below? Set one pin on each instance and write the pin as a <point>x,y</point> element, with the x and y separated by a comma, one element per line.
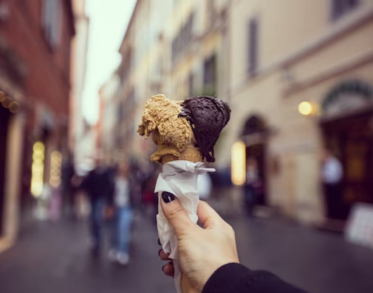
<point>113,193</point>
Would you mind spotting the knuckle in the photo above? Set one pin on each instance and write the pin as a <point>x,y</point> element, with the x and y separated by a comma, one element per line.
<point>176,212</point>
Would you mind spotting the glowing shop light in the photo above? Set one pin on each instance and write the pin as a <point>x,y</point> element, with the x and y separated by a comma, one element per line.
<point>238,163</point>
<point>306,108</point>
<point>55,171</point>
<point>37,169</point>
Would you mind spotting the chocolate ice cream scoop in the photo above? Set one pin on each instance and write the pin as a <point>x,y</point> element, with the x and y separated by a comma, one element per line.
<point>207,116</point>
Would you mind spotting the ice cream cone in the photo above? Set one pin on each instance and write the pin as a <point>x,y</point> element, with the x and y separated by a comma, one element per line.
<point>191,154</point>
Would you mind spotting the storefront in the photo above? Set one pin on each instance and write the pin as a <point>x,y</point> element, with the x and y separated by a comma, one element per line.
<point>255,135</point>
<point>347,128</point>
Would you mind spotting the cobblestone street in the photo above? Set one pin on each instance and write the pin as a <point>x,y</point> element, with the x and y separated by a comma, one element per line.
<point>52,257</point>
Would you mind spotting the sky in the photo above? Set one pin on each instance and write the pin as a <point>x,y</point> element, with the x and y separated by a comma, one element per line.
<point>108,23</point>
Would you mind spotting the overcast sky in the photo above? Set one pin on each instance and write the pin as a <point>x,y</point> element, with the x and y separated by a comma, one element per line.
<point>108,23</point>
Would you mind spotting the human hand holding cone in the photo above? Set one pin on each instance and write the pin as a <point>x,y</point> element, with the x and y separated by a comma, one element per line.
<point>191,154</point>
<point>185,133</point>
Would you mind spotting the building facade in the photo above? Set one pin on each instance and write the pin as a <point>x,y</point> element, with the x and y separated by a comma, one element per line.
<point>271,63</point>
<point>35,40</point>
<point>179,50</point>
<point>281,57</point>
<point>108,119</point>
<point>79,48</point>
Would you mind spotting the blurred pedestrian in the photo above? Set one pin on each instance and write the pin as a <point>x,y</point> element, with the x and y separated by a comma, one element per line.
<point>252,185</point>
<point>148,195</point>
<point>99,185</point>
<point>135,179</point>
<point>121,224</point>
<point>332,174</point>
<point>204,186</point>
<point>68,188</point>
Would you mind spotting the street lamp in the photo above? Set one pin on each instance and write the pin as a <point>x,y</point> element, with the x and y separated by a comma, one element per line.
<point>307,108</point>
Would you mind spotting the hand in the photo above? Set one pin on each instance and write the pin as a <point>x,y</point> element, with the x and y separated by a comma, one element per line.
<point>201,250</point>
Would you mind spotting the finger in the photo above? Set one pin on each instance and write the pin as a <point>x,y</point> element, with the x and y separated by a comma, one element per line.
<point>207,215</point>
<point>163,255</point>
<point>168,269</point>
<point>176,215</point>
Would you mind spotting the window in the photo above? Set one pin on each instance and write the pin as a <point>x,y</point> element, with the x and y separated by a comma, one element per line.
<point>183,37</point>
<point>253,46</point>
<point>342,7</point>
<point>51,21</point>
<point>209,76</point>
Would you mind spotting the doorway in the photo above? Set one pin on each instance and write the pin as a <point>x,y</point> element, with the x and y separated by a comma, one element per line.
<point>257,152</point>
<point>255,134</point>
<point>4,126</point>
<point>350,139</point>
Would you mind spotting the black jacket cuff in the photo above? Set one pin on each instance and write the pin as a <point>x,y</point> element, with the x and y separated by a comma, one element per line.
<point>237,278</point>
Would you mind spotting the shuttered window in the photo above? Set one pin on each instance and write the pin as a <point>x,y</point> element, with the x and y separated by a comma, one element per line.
<point>51,21</point>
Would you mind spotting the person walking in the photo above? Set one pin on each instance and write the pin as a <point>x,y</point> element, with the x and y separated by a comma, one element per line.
<point>204,186</point>
<point>252,185</point>
<point>332,174</point>
<point>121,225</point>
<point>68,189</point>
<point>99,186</point>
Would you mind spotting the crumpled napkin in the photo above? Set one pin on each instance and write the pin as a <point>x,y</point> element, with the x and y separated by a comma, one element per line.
<point>180,179</point>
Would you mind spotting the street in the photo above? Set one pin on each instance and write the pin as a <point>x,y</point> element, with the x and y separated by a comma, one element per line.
<point>52,257</point>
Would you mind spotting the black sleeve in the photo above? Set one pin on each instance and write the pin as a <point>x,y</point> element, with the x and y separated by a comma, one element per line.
<point>236,278</point>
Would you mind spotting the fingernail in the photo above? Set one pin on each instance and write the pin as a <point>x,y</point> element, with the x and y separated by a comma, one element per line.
<point>167,196</point>
<point>159,252</point>
<point>159,242</point>
<point>163,267</point>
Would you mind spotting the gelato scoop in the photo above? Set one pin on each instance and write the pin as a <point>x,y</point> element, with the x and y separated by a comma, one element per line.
<point>170,132</point>
<point>208,116</point>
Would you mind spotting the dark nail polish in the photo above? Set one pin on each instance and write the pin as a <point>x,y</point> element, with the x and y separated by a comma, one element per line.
<point>159,242</point>
<point>159,252</point>
<point>167,196</point>
<point>163,267</point>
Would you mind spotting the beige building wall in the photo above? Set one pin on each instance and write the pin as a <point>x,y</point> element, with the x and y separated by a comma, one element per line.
<point>12,187</point>
<point>78,71</point>
<point>303,53</point>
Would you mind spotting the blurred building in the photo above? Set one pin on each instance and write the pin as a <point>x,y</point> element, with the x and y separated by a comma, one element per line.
<point>35,40</point>
<point>318,52</point>
<point>178,49</point>
<point>108,119</point>
<point>142,72</point>
<point>79,48</point>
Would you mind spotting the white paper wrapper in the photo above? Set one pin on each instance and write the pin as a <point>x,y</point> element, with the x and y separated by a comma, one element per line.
<point>180,179</point>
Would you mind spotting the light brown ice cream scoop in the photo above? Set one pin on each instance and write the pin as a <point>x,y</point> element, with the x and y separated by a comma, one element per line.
<point>170,132</point>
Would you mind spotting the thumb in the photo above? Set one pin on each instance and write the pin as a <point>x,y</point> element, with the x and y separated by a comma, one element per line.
<point>207,216</point>
<point>176,215</point>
